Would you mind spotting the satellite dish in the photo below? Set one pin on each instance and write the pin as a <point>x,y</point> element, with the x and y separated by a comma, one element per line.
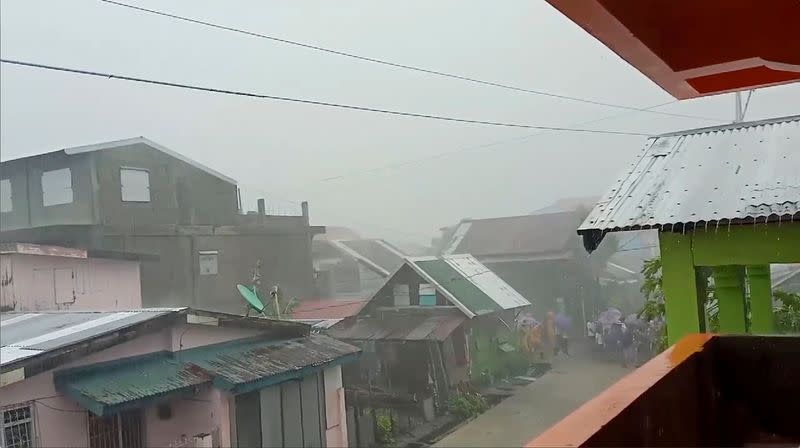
<point>251,297</point>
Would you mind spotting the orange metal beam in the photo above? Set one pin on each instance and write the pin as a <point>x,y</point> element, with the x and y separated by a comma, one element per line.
<point>693,48</point>
<point>578,427</point>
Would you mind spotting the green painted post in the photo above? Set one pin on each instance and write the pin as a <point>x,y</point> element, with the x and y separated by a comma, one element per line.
<point>729,281</point>
<point>761,318</point>
<point>679,285</point>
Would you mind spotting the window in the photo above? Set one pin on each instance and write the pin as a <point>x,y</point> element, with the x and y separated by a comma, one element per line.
<point>134,184</point>
<point>427,294</point>
<point>17,427</point>
<point>5,196</point>
<point>208,262</point>
<point>57,187</point>
<point>123,430</point>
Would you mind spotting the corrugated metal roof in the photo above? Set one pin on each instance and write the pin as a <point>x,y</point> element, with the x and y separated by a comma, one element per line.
<point>105,387</point>
<point>737,173</point>
<point>539,234</point>
<point>318,325</point>
<point>252,360</point>
<point>327,308</point>
<point>102,387</point>
<point>400,327</point>
<point>25,335</point>
<point>468,284</point>
<point>376,254</point>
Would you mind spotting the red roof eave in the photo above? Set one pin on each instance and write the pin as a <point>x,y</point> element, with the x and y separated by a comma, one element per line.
<point>694,66</point>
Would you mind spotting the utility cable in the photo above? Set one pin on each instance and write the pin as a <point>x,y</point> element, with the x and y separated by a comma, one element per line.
<point>398,65</point>
<point>408,162</point>
<point>312,102</point>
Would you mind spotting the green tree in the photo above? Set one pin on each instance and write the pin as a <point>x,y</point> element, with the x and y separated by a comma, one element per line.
<point>787,311</point>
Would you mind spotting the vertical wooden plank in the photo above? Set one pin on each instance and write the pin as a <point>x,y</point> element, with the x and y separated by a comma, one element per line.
<point>248,420</point>
<point>292,415</point>
<point>352,428</point>
<point>309,400</point>
<point>271,423</point>
<point>321,408</point>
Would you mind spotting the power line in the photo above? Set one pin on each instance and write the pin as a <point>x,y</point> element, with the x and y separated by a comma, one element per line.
<point>398,65</point>
<point>312,102</point>
<point>409,162</point>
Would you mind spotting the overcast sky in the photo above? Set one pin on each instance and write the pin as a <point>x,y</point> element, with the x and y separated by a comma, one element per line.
<point>285,151</point>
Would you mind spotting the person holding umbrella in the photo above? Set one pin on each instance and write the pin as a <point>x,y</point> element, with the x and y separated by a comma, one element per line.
<point>563,324</point>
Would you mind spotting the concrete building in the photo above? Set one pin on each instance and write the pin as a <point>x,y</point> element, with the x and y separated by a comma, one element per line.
<point>138,196</point>
<point>168,377</point>
<point>34,277</point>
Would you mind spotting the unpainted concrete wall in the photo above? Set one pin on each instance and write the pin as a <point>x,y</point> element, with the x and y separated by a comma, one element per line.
<point>25,176</point>
<point>179,192</point>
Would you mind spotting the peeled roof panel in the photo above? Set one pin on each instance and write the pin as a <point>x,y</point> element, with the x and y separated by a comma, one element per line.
<point>746,172</point>
<point>487,281</point>
<point>454,282</point>
<point>377,251</point>
<point>547,233</point>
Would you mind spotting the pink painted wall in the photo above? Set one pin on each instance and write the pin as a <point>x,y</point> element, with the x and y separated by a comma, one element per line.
<point>40,282</point>
<point>60,421</point>
<point>206,412</point>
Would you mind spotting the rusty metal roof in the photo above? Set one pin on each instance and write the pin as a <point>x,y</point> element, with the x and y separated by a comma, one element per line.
<point>238,366</point>
<point>400,327</point>
<point>107,387</point>
<point>738,174</point>
<point>328,308</point>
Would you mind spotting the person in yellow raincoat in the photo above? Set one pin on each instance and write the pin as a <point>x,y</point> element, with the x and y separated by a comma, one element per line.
<point>548,333</point>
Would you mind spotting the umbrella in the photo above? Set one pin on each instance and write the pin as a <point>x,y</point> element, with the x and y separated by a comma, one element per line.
<point>563,321</point>
<point>609,316</point>
<point>527,321</point>
<point>632,320</point>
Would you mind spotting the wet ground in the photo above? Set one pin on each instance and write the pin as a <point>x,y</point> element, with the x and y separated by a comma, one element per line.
<point>535,407</point>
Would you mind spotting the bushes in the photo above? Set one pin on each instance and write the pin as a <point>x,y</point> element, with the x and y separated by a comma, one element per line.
<point>787,312</point>
<point>467,404</point>
<point>385,424</point>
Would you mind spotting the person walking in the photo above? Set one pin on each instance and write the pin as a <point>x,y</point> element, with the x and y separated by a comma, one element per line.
<point>563,324</point>
<point>549,333</point>
<point>629,348</point>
